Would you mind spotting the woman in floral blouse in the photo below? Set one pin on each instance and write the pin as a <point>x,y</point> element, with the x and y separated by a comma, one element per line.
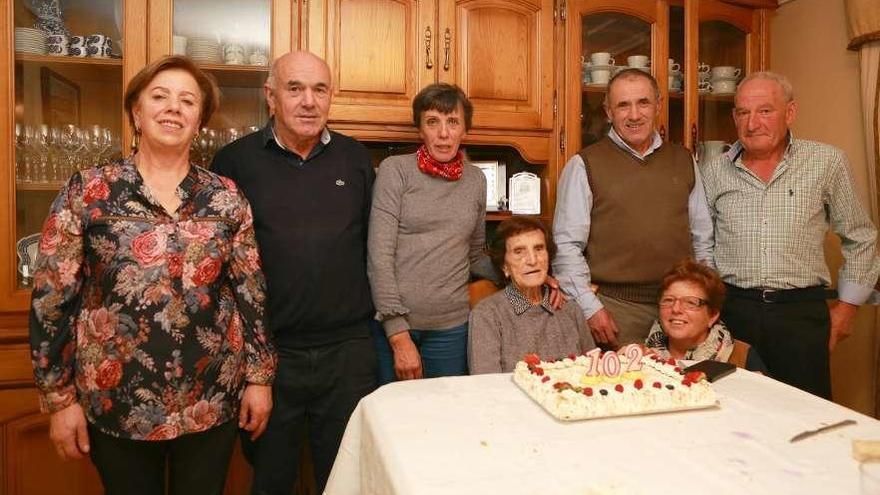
<point>147,321</point>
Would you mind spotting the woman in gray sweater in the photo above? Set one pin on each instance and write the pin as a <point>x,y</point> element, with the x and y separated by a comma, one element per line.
<point>426,233</point>
<point>520,319</point>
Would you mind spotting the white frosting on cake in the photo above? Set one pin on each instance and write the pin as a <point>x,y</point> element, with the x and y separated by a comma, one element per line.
<point>662,388</point>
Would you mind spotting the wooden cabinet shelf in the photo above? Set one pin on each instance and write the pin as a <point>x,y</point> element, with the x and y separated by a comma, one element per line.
<point>242,76</point>
<point>39,186</point>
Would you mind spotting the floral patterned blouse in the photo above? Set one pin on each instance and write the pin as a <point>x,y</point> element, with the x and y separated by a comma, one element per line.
<point>153,322</point>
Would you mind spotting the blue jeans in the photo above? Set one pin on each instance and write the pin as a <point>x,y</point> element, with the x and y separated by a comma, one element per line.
<point>444,352</point>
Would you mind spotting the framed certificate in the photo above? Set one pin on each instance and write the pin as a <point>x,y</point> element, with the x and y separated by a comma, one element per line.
<point>496,182</point>
<point>525,194</point>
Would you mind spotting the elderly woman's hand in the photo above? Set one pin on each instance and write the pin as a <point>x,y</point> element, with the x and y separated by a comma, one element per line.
<point>67,430</point>
<point>256,404</point>
<point>407,360</point>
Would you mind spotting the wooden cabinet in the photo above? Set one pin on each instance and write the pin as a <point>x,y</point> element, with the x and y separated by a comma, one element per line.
<point>382,52</point>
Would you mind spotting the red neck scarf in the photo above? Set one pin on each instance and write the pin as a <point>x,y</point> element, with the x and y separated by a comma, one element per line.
<point>450,170</point>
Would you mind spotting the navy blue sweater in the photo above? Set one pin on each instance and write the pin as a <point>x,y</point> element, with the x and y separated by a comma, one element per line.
<point>310,218</point>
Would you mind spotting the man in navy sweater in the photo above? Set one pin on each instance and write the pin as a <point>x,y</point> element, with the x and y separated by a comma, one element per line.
<point>309,189</point>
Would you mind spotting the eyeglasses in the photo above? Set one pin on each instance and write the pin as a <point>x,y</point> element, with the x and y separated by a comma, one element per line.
<point>688,303</point>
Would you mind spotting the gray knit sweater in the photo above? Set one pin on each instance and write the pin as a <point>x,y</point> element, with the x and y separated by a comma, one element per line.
<point>505,326</point>
<point>425,233</point>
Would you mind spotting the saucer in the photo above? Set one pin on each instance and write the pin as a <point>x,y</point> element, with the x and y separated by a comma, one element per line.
<point>596,85</point>
<point>601,67</point>
<point>720,79</point>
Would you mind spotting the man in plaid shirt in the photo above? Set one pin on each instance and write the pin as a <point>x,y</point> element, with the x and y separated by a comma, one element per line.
<point>773,198</point>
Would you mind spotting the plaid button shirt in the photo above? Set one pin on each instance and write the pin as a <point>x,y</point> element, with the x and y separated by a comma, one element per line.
<point>771,235</point>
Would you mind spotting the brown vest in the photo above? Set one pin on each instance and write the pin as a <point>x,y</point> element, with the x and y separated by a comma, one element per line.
<point>639,226</point>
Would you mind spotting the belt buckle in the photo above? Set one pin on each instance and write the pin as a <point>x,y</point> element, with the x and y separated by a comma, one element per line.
<point>767,295</point>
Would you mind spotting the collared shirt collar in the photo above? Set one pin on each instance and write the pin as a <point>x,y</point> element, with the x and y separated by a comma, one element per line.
<point>736,151</point>
<point>270,136</point>
<point>521,304</point>
<point>615,137</point>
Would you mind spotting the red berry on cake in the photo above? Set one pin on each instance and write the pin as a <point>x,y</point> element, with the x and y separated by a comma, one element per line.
<point>656,385</point>
<point>638,384</point>
<point>571,356</point>
<point>545,379</point>
<point>532,359</point>
<point>618,387</point>
<point>588,392</point>
<point>538,371</point>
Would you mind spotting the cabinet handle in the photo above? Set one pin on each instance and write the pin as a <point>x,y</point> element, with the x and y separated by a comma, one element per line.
<point>694,140</point>
<point>447,42</point>
<point>428,63</point>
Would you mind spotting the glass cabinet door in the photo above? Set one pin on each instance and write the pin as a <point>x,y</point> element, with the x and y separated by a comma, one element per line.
<point>729,47</point>
<point>722,63</point>
<point>67,67</point>
<point>231,40</point>
<point>605,37</point>
<point>609,43</point>
<point>675,79</point>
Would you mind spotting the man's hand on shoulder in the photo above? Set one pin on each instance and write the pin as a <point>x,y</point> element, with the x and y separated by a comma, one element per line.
<point>842,316</point>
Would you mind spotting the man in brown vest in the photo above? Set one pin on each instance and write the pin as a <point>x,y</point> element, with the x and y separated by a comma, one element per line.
<point>628,207</point>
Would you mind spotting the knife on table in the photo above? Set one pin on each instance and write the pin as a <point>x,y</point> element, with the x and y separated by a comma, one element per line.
<point>807,434</point>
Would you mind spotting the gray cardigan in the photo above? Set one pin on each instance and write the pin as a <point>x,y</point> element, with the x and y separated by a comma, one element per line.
<point>499,337</point>
<point>425,234</point>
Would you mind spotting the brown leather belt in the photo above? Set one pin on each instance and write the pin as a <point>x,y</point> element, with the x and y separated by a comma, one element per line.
<point>815,293</point>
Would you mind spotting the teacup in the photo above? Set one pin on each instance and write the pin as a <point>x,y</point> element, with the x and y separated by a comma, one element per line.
<point>704,86</point>
<point>637,61</point>
<point>723,87</point>
<point>601,58</point>
<point>76,46</point>
<point>704,68</point>
<point>585,72</point>
<point>725,72</point>
<point>600,76</point>
<point>96,40</point>
<point>57,44</point>
<point>674,83</point>
<point>674,66</point>
<point>178,45</point>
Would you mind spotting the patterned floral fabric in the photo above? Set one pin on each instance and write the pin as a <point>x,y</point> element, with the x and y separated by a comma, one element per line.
<point>152,321</point>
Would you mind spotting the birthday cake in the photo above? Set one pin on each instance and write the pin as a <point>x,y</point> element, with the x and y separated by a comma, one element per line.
<point>598,385</point>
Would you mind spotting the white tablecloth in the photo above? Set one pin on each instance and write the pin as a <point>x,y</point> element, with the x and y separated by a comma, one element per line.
<point>483,435</point>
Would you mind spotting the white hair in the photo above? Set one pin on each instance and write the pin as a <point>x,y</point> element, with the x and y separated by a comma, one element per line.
<point>766,75</point>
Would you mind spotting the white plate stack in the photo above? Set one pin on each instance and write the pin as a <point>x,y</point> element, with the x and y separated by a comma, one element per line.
<point>30,40</point>
<point>205,50</point>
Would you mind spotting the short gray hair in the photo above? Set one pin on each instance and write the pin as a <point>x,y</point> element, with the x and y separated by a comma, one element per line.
<point>766,75</point>
<point>630,74</point>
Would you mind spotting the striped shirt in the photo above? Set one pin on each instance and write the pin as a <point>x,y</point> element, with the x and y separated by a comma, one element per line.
<point>771,235</point>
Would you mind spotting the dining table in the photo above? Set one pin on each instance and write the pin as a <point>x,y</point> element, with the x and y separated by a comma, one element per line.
<point>483,435</point>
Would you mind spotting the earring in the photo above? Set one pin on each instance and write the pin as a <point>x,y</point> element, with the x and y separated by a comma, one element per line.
<point>135,140</point>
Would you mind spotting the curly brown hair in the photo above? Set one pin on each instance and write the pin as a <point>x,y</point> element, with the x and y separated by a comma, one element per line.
<point>512,227</point>
<point>688,270</point>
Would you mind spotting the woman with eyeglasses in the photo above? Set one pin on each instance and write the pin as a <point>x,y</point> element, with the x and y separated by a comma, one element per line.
<point>689,328</point>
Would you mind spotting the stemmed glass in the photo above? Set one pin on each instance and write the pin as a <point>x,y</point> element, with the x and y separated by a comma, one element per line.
<point>23,135</point>
<point>71,144</point>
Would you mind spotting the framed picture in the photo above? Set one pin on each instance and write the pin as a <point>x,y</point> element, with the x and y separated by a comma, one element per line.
<point>60,97</point>
<point>496,182</point>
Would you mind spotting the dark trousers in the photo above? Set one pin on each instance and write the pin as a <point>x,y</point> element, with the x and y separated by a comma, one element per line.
<point>317,387</point>
<point>790,337</point>
<point>196,463</point>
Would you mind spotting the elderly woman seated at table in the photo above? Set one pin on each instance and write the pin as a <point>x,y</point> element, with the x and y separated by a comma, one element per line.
<point>520,319</point>
<point>689,328</point>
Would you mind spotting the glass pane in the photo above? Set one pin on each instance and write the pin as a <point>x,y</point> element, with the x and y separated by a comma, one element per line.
<point>610,42</point>
<point>722,62</point>
<point>67,68</point>
<point>231,40</point>
<point>676,75</point>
